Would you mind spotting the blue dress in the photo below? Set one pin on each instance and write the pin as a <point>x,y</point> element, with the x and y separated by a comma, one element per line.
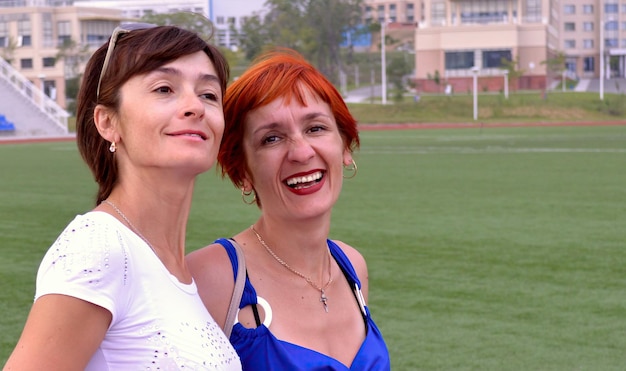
<point>259,349</point>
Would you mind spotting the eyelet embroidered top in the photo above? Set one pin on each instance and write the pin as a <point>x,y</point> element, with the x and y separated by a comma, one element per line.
<point>158,323</point>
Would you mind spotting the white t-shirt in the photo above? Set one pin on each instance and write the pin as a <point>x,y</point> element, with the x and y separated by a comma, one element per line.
<point>157,322</point>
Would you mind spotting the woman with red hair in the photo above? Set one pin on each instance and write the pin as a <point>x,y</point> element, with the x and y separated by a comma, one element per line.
<point>288,144</point>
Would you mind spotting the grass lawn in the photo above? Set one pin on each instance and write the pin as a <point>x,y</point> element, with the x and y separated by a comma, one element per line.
<point>527,106</point>
<point>488,249</point>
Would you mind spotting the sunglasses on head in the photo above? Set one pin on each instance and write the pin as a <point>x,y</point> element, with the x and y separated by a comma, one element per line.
<point>117,33</point>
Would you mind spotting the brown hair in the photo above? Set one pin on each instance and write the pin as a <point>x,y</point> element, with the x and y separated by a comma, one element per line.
<point>137,52</point>
<point>278,74</point>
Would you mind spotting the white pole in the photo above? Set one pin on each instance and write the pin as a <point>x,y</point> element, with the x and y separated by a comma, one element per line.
<point>475,83</point>
<point>383,62</point>
<point>506,84</point>
<point>601,59</point>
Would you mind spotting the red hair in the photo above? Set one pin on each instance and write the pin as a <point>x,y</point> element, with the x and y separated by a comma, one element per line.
<point>277,74</point>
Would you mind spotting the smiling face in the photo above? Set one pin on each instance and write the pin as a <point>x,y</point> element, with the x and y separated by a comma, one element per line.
<point>295,157</point>
<point>170,118</point>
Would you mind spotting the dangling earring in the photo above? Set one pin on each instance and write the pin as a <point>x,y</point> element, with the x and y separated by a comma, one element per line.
<point>245,194</point>
<point>350,168</point>
<point>112,147</point>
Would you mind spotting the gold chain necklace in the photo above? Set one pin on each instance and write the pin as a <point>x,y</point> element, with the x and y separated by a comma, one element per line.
<point>323,297</point>
<point>132,227</point>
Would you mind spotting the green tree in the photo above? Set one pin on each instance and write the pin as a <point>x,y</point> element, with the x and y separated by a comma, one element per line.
<point>314,28</point>
<point>555,64</point>
<point>513,70</point>
<point>8,52</point>
<point>397,68</point>
<point>195,22</point>
<point>73,55</point>
<point>191,21</point>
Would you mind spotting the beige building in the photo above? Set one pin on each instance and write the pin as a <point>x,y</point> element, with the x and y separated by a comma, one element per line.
<point>454,36</point>
<point>34,32</point>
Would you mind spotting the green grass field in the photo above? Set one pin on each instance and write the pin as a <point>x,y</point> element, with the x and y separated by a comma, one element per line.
<point>488,249</point>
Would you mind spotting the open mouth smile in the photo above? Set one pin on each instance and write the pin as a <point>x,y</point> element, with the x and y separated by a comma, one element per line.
<point>300,182</point>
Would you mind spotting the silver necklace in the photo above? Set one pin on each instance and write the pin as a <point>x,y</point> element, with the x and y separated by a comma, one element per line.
<point>323,297</point>
<point>131,225</point>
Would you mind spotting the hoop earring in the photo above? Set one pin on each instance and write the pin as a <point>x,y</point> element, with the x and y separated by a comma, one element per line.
<point>245,194</point>
<point>350,168</point>
<point>112,147</point>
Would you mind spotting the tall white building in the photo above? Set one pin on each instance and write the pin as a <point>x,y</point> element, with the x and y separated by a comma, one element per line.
<point>228,16</point>
<point>134,9</point>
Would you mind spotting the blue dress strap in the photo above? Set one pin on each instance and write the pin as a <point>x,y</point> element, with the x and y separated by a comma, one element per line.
<point>344,263</point>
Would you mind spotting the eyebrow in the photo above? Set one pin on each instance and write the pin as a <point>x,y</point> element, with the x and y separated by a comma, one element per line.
<point>205,77</point>
<point>308,117</point>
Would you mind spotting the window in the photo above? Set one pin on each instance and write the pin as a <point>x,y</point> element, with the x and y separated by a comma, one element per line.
<point>26,63</point>
<point>610,8</point>
<point>484,11</point>
<point>393,17</point>
<point>64,33</point>
<point>459,60</point>
<point>569,9</point>
<point>610,43</point>
<point>569,44</point>
<point>493,58</point>
<point>588,9</point>
<point>623,43</point>
<point>4,35</point>
<point>438,12</point>
<point>410,13</point>
<point>610,26</point>
<point>533,10</point>
<point>48,39</point>
<point>623,26</point>
<point>589,64</point>
<point>623,8</point>
<point>23,33</point>
<point>48,61</point>
<point>588,26</point>
<point>588,44</point>
<point>569,26</point>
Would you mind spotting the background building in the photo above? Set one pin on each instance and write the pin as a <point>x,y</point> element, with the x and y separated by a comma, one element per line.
<point>134,9</point>
<point>453,36</point>
<point>228,16</point>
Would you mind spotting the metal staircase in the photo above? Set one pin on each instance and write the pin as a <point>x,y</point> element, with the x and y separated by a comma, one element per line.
<point>32,111</point>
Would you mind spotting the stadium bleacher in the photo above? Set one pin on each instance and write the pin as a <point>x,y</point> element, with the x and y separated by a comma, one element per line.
<point>6,126</point>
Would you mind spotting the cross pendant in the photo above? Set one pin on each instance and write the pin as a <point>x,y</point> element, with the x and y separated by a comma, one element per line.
<point>324,299</point>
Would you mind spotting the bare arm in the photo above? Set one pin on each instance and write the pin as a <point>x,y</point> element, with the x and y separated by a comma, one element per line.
<point>61,333</point>
<point>213,273</point>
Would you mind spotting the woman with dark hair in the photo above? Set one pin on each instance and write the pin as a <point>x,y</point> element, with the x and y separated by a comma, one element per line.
<point>287,145</point>
<point>114,292</point>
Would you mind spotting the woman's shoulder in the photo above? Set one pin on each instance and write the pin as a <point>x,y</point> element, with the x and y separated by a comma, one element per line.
<point>213,274</point>
<point>356,258</point>
<point>89,253</point>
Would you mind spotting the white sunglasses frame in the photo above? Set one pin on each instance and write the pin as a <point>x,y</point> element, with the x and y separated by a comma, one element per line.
<point>117,33</point>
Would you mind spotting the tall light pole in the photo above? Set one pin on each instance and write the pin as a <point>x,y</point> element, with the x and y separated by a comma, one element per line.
<point>475,83</point>
<point>601,59</point>
<point>383,62</point>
